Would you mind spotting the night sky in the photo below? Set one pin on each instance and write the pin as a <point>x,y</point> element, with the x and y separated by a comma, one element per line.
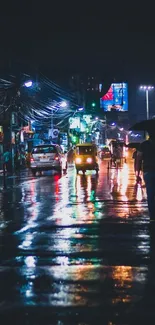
<point>106,41</point>
<point>113,42</point>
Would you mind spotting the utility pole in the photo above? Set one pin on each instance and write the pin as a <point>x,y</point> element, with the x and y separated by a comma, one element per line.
<point>52,126</point>
<point>7,127</point>
<point>105,130</point>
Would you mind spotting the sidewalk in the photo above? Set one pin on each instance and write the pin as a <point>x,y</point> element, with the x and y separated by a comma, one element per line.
<point>13,180</point>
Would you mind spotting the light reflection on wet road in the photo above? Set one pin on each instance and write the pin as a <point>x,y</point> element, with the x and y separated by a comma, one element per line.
<point>80,242</point>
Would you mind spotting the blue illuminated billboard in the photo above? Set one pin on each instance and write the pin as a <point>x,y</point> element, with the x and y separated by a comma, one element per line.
<point>116,99</point>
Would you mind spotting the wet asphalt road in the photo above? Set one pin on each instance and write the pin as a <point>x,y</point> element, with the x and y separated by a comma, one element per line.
<point>76,249</point>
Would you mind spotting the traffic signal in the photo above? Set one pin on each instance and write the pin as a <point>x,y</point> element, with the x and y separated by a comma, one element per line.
<point>74,139</point>
<point>93,104</point>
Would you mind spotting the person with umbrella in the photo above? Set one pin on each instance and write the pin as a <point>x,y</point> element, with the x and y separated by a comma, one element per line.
<point>137,173</point>
<point>146,157</point>
<point>134,156</point>
<point>135,146</point>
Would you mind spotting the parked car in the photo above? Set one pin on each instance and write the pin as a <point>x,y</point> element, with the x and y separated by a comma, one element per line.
<point>48,157</point>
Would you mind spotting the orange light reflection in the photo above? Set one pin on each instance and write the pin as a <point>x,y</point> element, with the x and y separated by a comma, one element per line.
<point>123,277</point>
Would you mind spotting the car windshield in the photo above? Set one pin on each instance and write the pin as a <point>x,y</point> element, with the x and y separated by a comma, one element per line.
<point>85,150</point>
<point>44,150</point>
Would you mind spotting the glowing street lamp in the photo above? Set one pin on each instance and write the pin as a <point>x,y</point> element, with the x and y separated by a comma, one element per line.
<point>28,84</point>
<point>147,89</point>
<point>56,105</point>
<point>63,104</point>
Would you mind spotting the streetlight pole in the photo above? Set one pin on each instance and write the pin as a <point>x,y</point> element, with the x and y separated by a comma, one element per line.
<point>147,89</point>
<point>52,122</point>
<point>147,104</point>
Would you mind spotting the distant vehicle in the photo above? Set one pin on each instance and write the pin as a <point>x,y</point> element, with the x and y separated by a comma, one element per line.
<point>118,151</point>
<point>48,157</point>
<point>105,153</point>
<point>86,157</point>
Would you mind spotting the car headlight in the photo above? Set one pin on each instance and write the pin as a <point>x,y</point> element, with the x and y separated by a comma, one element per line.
<point>89,160</point>
<point>78,160</point>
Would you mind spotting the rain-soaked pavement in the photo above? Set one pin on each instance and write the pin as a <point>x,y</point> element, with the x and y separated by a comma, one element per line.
<point>76,249</point>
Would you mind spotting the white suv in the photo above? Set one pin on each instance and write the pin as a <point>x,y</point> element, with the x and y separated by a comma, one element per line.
<point>48,157</point>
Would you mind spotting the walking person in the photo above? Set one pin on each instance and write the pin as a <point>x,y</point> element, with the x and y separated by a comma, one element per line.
<point>23,159</point>
<point>146,158</point>
<point>117,156</point>
<point>137,173</point>
<point>70,155</point>
<point>6,159</point>
<point>134,156</point>
<point>17,160</point>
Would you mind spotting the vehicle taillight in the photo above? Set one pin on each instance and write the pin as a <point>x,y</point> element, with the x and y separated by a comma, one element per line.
<point>56,157</point>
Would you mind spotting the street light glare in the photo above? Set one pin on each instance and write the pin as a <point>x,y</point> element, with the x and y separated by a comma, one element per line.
<point>146,87</point>
<point>63,104</point>
<point>80,109</point>
<point>28,84</point>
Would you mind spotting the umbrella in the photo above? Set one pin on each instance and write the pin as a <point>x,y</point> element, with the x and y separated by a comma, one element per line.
<point>146,125</point>
<point>133,145</point>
